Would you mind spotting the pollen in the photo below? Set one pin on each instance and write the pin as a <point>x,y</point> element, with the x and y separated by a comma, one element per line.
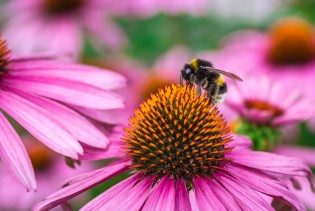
<point>292,42</point>
<point>177,133</point>
<point>56,7</point>
<point>4,55</point>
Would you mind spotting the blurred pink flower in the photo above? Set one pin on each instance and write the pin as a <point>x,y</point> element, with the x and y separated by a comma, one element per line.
<point>43,96</point>
<point>200,169</point>
<point>286,53</point>
<point>260,100</point>
<point>58,26</point>
<point>50,170</point>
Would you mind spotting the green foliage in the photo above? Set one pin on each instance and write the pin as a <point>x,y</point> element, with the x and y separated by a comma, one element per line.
<point>304,9</point>
<point>150,38</point>
<point>264,137</point>
<point>307,137</point>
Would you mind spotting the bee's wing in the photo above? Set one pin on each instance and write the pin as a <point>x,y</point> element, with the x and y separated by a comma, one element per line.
<point>228,74</point>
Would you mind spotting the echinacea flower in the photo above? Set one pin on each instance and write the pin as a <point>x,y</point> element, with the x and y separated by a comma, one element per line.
<point>182,157</point>
<point>286,53</point>
<point>43,96</point>
<point>50,169</point>
<point>58,26</point>
<point>262,107</point>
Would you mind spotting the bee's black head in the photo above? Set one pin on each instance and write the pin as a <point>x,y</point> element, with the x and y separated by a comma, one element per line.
<point>187,71</point>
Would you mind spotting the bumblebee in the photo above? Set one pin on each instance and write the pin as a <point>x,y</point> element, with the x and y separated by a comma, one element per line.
<point>205,76</point>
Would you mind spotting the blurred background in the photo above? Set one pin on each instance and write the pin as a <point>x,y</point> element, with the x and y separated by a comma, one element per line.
<point>149,42</point>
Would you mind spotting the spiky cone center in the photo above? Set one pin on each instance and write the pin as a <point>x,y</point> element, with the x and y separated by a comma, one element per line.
<point>56,7</point>
<point>264,106</point>
<point>4,55</point>
<point>292,42</point>
<point>177,133</point>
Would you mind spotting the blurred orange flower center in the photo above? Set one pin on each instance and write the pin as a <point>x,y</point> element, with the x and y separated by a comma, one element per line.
<point>62,6</point>
<point>177,133</point>
<point>292,42</point>
<point>4,53</point>
<point>264,106</point>
<point>153,85</point>
<point>41,157</point>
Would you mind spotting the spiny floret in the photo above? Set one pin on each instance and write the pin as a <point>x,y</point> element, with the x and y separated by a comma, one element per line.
<point>4,55</point>
<point>178,133</point>
<point>61,6</point>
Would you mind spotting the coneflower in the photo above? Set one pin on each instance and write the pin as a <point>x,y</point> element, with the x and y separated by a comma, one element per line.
<point>43,96</point>
<point>182,157</point>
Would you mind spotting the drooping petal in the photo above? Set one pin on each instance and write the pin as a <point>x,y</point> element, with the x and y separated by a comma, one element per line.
<point>162,196</point>
<point>182,202</point>
<point>272,163</point>
<point>41,124</point>
<point>129,194</point>
<point>265,184</point>
<point>14,155</point>
<point>305,153</point>
<point>246,197</point>
<point>304,193</point>
<point>78,184</point>
<point>71,92</point>
<point>93,76</point>
<point>77,125</point>
<point>205,197</point>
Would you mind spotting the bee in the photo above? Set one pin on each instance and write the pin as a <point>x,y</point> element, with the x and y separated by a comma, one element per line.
<point>205,76</point>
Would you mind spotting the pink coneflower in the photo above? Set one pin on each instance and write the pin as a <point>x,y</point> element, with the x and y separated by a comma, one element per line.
<point>60,26</point>
<point>40,95</point>
<point>286,53</point>
<point>263,107</point>
<point>261,100</point>
<point>182,157</point>
<point>50,169</point>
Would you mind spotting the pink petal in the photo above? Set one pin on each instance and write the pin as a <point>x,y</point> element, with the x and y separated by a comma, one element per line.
<point>40,123</point>
<point>305,194</point>
<point>77,125</point>
<point>205,197</point>
<point>223,195</point>
<point>93,76</point>
<point>14,155</point>
<point>246,197</point>
<point>240,141</point>
<point>162,196</point>
<point>265,184</point>
<point>71,92</point>
<point>182,201</point>
<point>272,163</point>
<point>129,194</point>
<point>306,154</point>
<point>112,151</point>
<point>108,115</point>
<point>79,184</point>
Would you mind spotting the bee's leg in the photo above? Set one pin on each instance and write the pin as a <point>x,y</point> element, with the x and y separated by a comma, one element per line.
<point>181,80</point>
<point>212,94</point>
<point>199,91</point>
